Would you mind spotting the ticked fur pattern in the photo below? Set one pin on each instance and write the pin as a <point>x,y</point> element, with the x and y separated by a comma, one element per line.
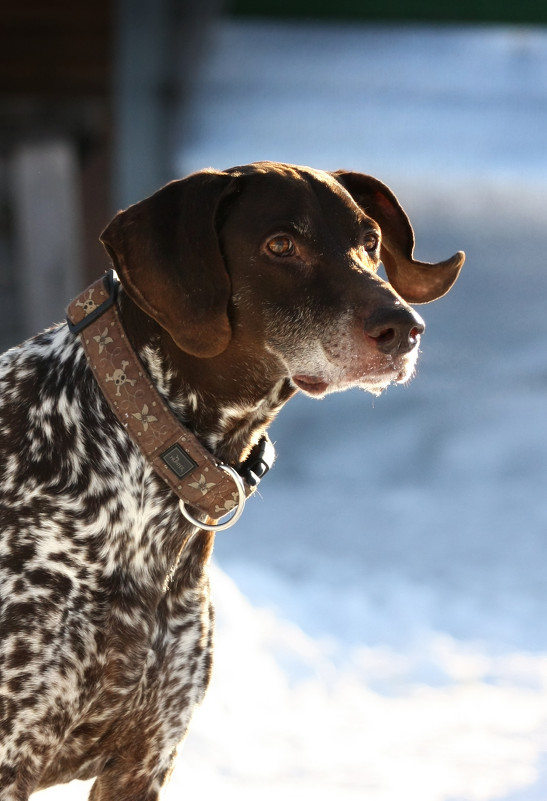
<point>105,602</point>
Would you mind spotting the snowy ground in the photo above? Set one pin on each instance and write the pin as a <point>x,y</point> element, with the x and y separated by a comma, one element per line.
<point>381,608</point>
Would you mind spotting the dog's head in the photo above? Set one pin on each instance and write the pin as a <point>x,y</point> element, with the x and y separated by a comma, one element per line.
<point>282,261</point>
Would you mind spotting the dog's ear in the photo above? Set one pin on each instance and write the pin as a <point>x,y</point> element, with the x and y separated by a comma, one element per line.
<point>166,252</point>
<point>415,281</point>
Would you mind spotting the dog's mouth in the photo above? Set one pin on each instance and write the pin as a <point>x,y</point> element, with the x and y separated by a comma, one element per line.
<point>310,384</point>
<point>373,380</point>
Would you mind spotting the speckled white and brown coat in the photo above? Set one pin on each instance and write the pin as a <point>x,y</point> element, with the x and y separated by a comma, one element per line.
<point>239,288</point>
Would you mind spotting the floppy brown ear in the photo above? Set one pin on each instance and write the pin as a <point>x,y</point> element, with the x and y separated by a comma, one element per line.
<point>166,252</point>
<point>415,281</point>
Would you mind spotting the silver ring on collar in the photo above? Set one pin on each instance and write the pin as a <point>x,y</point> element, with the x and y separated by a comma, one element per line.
<point>236,514</point>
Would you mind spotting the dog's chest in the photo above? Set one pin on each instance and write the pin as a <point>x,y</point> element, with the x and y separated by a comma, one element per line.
<point>149,669</point>
<point>138,686</point>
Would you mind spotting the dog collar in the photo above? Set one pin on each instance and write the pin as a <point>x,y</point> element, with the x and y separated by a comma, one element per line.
<point>198,479</point>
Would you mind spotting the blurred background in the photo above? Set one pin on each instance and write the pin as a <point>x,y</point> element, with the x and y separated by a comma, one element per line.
<point>382,605</point>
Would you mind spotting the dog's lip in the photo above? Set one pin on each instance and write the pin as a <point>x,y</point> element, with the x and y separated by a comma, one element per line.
<point>311,384</point>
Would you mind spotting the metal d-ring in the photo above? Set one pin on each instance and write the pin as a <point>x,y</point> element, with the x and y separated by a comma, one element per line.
<point>238,481</point>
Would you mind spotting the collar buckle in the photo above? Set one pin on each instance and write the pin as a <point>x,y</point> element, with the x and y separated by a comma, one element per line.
<point>259,461</point>
<point>111,284</point>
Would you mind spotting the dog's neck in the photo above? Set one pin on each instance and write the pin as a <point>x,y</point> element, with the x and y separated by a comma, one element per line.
<point>220,410</point>
<point>228,429</point>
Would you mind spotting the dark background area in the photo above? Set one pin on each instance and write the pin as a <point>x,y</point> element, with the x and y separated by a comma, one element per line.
<point>528,11</point>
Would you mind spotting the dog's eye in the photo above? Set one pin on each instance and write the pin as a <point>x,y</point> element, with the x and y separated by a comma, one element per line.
<point>371,242</point>
<point>281,246</point>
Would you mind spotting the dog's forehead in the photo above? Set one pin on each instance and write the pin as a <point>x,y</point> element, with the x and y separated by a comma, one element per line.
<point>294,179</point>
<point>301,194</point>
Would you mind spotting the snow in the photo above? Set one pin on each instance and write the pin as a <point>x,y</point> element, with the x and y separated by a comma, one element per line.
<point>381,605</point>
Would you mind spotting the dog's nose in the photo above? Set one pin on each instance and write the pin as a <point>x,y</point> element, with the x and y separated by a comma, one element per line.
<point>396,330</point>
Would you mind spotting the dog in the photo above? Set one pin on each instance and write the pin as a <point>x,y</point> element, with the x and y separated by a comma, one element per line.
<point>238,288</point>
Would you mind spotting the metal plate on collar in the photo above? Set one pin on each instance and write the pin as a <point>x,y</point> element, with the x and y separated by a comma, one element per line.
<point>178,461</point>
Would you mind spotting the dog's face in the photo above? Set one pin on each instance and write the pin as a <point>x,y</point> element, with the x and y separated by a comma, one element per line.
<point>302,258</point>
<point>278,264</point>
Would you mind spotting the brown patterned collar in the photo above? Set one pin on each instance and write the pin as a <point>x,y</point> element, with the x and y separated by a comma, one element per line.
<point>197,478</point>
